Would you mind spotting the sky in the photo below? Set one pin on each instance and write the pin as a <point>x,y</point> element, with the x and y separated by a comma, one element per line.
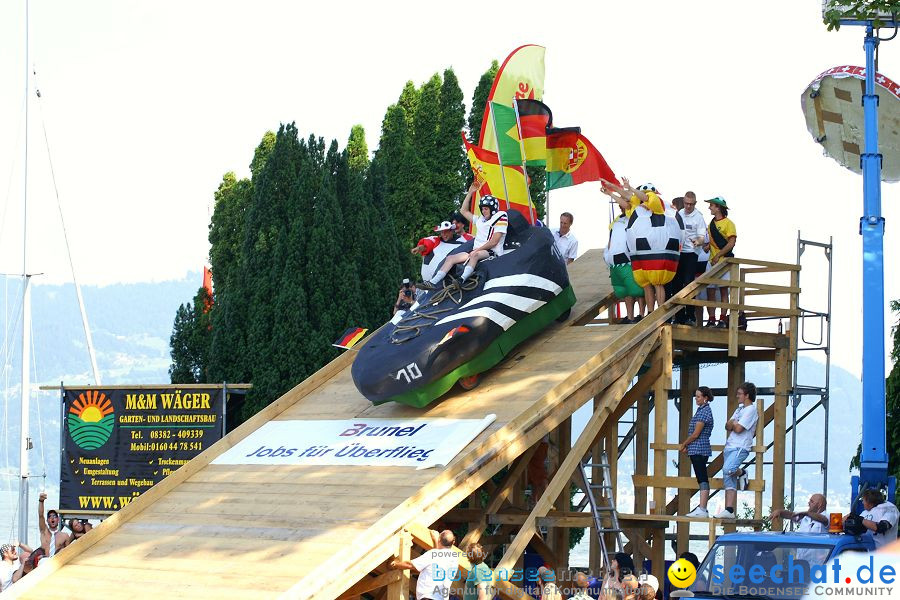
<point>147,104</point>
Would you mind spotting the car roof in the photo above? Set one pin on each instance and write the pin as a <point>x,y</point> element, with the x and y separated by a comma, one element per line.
<point>793,537</point>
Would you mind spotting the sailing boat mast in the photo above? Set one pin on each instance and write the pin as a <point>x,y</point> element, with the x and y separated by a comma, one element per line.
<point>25,439</point>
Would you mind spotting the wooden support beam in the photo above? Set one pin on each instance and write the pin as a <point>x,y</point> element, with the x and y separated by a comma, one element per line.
<point>591,430</point>
<point>501,494</point>
<point>690,380</point>
<point>767,311</point>
<point>368,584</point>
<point>641,441</point>
<point>718,338</point>
<point>560,534</point>
<point>751,286</point>
<point>661,416</point>
<point>718,356</point>
<point>734,314</point>
<point>764,263</point>
<point>398,589</point>
<point>783,378</point>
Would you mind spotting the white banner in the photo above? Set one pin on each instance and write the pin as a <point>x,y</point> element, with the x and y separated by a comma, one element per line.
<point>419,443</point>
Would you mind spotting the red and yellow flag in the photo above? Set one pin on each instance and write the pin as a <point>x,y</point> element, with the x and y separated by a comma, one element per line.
<point>486,166</point>
<point>350,337</point>
<point>520,76</point>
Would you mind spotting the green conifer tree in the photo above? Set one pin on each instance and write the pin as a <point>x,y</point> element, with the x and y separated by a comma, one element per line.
<point>479,100</point>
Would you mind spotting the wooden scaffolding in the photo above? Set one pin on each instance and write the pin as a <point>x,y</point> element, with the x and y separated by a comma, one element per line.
<point>331,532</point>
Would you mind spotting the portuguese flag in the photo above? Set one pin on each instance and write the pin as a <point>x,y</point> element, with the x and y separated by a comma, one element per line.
<point>572,159</point>
<point>350,337</point>
<point>486,165</point>
<point>534,118</point>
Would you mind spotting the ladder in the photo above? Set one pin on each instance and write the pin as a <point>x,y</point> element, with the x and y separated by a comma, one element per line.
<point>597,507</point>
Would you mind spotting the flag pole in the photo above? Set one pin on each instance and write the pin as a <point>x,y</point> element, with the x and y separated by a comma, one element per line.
<point>500,158</point>
<point>524,159</point>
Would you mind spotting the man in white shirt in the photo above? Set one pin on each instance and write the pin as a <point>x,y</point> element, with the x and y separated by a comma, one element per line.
<point>812,520</point>
<point>879,517</point>
<point>691,245</point>
<point>742,431</point>
<point>438,568</point>
<point>565,239</point>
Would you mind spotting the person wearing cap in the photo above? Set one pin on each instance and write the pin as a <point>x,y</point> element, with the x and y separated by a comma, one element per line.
<point>461,224</point>
<point>566,242</point>
<point>53,539</point>
<point>8,557</point>
<point>722,238</point>
<point>435,248</point>
<point>490,233</point>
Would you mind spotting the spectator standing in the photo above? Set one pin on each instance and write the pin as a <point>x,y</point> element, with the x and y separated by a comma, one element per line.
<point>620,566</point>
<point>566,242</point>
<point>722,238</point>
<point>649,587</point>
<point>619,261</point>
<point>879,517</point>
<point>479,583</point>
<point>8,557</point>
<point>53,539</point>
<point>741,428</point>
<point>697,447</point>
<point>437,568</point>
<point>691,247</point>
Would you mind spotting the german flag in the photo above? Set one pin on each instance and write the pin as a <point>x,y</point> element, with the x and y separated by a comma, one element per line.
<point>572,159</point>
<point>349,338</point>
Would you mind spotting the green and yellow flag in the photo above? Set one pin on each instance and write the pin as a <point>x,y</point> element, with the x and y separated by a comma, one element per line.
<point>534,118</point>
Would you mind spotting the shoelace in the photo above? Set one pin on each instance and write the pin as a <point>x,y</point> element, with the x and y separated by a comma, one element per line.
<point>411,325</point>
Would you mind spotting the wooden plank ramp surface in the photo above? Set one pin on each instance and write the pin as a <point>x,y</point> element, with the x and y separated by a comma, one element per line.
<point>224,531</point>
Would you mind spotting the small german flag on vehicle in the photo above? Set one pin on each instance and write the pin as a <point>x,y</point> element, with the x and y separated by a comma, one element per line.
<point>349,338</point>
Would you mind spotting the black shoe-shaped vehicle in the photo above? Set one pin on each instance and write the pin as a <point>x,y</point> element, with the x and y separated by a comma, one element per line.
<point>462,329</point>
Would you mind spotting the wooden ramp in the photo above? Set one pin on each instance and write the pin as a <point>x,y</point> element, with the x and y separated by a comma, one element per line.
<point>216,531</point>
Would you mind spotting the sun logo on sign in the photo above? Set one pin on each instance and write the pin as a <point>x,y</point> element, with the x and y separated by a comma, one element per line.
<point>90,420</point>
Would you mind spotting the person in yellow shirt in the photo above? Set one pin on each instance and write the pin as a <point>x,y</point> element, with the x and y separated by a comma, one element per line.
<point>722,238</point>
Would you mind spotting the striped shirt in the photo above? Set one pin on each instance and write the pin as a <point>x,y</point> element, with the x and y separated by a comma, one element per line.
<point>486,228</point>
<point>700,446</point>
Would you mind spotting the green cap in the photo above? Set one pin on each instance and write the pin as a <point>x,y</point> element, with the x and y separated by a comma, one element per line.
<point>719,201</point>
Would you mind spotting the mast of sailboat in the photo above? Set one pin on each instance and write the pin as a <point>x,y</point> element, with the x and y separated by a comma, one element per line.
<point>25,439</point>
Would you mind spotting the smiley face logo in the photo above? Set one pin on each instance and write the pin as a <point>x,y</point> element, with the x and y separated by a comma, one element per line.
<point>682,573</point>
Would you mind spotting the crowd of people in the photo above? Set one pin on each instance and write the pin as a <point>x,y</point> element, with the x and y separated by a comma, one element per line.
<point>18,559</point>
<point>656,249</point>
<point>439,576</point>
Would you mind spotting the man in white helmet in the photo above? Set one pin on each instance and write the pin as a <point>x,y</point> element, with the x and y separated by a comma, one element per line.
<point>490,233</point>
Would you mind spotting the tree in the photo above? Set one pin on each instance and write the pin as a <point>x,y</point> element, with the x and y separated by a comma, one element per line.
<point>859,10</point>
<point>479,100</point>
<point>189,342</point>
<point>891,404</point>
<point>450,183</point>
<point>357,150</point>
